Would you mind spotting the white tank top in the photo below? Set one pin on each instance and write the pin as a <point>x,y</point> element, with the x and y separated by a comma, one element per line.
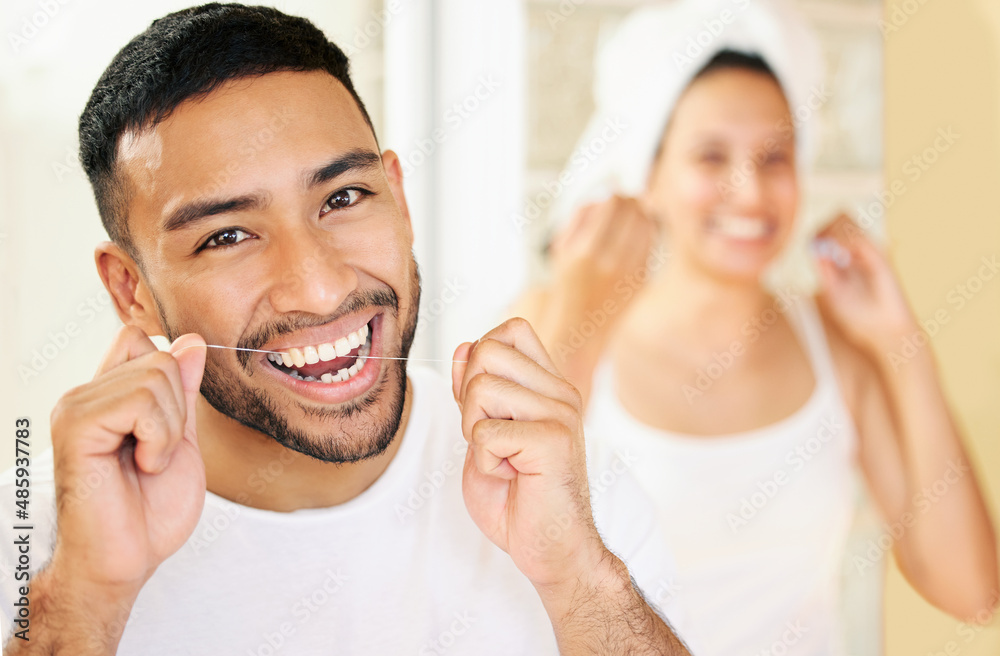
<point>759,520</point>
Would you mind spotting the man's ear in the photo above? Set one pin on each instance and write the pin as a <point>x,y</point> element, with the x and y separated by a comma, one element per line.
<point>394,172</point>
<point>129,291</point>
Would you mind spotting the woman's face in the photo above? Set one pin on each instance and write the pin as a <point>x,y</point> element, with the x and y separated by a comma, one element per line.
<point>724,183</point>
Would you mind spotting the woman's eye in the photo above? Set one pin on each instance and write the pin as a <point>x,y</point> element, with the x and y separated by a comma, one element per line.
<point>713,158</point>
<point>227,237</point>
<point>341,199</point>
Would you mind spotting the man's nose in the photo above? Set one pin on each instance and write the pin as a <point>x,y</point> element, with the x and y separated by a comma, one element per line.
<point>310,274</point>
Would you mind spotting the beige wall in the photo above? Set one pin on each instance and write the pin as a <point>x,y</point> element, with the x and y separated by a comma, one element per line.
<point>943,70</point>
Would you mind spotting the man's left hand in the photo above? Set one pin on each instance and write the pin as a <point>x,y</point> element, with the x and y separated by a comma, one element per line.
<point>525,478</point>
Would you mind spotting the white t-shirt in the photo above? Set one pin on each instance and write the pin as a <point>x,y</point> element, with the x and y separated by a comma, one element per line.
<point>400,569</point>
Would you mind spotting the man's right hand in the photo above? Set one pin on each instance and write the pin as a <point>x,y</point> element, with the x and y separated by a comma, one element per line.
<point>130,481</point>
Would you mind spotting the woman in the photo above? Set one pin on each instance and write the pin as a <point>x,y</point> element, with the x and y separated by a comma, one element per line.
<point>749,414</point>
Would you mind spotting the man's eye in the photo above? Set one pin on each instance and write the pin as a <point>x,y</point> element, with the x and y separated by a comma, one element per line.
<point>341,199</point>
<point>227,237</point>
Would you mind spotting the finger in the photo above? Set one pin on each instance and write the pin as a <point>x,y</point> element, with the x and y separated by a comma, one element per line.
<point>633,236</point>
<point>160,430</point>
<point>826,248</point>
<point>460,362</point>
<point>142,404</point>
<point>869,254</point>
<point>157,433</point>
<point>190,353</point>
<point>605,219</point>
<point>518,334</point>
<point>492,462</point>
<point>490,396</point>
<point>528,448</point>
<point>830,274</point>
<point>157,370</point>
<point>575,230</point>
<point>499,359</point>
<point>129,343</point>
<point>838,227</point>
<point>160,373</point>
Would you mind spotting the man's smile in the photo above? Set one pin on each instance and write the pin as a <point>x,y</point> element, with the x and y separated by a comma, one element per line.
<point>329,363</point>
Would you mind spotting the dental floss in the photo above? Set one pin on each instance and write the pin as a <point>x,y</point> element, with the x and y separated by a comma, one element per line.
<point>238,348</point>
<point>833,251</point>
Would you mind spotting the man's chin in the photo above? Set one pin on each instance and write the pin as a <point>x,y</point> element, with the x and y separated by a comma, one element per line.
<point>359,429</point>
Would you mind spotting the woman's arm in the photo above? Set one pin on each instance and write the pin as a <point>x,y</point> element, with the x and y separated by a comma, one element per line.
<point>911,451</point>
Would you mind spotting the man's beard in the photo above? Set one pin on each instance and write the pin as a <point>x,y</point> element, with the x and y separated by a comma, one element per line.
<point>372,435</point>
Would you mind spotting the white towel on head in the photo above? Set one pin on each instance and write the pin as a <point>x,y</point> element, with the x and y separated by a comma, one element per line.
<point>643,69</point>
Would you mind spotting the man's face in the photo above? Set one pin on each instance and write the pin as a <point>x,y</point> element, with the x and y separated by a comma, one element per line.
<point>265,219</point>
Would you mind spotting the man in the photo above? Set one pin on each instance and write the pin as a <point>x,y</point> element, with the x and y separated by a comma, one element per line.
<point>303,496</point>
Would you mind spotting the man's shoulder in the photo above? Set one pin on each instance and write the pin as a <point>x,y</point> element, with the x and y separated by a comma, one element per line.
<point>434,414</point>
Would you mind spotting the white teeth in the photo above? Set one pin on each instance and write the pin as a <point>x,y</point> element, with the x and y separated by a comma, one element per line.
<point>326,352</point>
<point>295,358</point>
<point>339,377</point>
<point>741,227</point>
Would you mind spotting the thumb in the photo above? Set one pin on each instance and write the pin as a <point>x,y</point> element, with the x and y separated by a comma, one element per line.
<point>458,368</point>
<point>190,351</point>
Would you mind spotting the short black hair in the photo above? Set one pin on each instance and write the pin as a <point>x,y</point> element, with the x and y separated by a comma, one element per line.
<point>732,59</point>
<point>185,55</point>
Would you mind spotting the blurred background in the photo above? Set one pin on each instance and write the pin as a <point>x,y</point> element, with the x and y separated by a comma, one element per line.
<point>484,101</point>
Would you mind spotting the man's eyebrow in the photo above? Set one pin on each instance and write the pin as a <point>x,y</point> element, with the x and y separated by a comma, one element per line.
<point>200,210</point>
<point>355,160</point>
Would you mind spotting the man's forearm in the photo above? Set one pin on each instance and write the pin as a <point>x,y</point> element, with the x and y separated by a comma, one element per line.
<point>66,619</point>
<point>608,615</point>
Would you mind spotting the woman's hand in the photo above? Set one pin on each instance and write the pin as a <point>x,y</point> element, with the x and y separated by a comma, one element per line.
<point>598,265</point>
<point>860,290</point>
<point>603,245</point>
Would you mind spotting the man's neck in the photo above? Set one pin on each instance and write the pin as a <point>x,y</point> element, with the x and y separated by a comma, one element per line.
<point>254,470</point>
